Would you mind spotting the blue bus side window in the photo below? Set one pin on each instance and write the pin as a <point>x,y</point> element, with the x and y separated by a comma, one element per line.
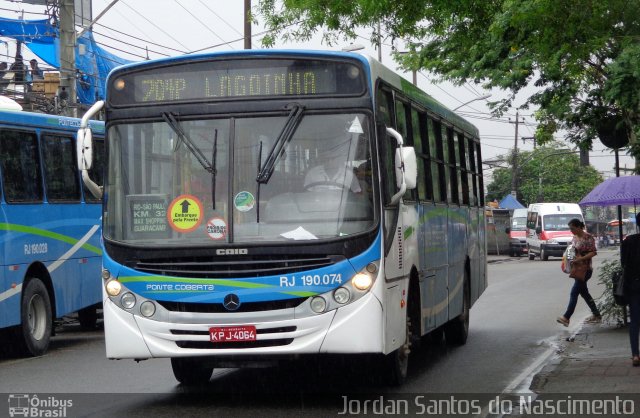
<point>61,175</point>
<point>20,163</point>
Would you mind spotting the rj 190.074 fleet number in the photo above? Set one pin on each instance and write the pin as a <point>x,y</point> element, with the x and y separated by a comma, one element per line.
<point>311,280</point>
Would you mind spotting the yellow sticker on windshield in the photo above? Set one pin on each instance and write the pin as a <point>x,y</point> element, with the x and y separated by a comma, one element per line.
<point>185,213</point>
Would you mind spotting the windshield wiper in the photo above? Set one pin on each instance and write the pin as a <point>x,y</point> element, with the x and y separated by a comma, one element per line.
<point>173,123</point>
<point>283,139</point>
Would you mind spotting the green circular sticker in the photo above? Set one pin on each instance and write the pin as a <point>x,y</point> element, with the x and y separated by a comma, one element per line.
<point>244,201</point>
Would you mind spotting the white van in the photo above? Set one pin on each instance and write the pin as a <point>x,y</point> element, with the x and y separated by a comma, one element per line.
<point>548,230</point>
<point>518,233</point>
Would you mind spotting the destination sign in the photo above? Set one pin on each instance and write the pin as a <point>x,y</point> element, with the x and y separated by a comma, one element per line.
<point>147,216</point>
<point>234,79</point>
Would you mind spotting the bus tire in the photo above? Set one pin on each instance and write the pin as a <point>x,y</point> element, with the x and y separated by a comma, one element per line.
<point>396,364</point>
<point>190,372</point>
<point>36,318</point>
<point>88,317</point>
<point>532,256</point>
<point>456,330</point>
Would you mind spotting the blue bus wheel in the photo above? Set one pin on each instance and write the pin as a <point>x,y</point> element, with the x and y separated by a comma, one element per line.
<point>36,318</point>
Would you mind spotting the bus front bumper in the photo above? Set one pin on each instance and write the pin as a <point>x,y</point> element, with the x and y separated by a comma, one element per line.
<point>353,328</point>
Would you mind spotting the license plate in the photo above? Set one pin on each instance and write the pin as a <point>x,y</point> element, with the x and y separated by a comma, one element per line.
<point>232,334</point>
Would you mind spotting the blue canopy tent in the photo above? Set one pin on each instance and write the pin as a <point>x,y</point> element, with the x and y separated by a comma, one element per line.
<point>92,62</point>
<point>510,202</point>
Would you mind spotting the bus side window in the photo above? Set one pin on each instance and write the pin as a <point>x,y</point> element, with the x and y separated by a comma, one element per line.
<point>20,162</point>
<point>60,172</point>
<point>386,144</point>
<point>403,122</point>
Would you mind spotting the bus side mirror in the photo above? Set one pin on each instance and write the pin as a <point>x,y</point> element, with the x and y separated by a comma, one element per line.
<point>84,149</point>
<point>507,230</point>
<point>406,162</point>
<point>538,230</point>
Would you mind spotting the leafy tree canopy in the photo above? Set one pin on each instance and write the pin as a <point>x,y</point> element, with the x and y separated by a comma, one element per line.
<point>584,55</point>
<point>547,174</point>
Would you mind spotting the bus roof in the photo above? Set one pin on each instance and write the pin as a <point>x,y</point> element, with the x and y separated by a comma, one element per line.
<point>375,68</point>
<point>43,120</point>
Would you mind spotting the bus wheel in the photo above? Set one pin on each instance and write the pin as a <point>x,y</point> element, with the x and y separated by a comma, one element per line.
<point>36,318</point>
<point>532,256</point>
<point>456,330</point>
<point>396,364</point>
<point>190,372</point>
<point>88,317</point>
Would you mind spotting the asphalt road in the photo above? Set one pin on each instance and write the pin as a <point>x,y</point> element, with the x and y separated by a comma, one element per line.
<point>512,334</point>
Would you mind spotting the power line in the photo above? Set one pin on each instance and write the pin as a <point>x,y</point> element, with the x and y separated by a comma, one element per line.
<point>153,24</point>
<point>129,44</point>
<point>139,39</point>
<point>446,92</point>
<point>23,12</point>
<point>201,22</point>
<point>219,17</point>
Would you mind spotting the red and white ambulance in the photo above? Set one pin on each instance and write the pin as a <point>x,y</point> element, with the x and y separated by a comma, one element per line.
<point>548,231</point>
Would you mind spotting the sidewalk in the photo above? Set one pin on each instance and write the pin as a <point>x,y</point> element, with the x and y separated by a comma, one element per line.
<point>597,360</point>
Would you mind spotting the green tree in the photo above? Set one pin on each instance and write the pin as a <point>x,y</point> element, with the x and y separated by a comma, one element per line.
<point>584,55</point>
<point>547,174</point>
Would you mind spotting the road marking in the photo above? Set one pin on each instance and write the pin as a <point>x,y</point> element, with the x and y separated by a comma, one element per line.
<point>520,384</point>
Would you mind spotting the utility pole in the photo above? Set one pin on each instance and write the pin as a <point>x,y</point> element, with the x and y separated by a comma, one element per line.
<point>68,55</point>
<point>247,24</point>
<point>514,175</point>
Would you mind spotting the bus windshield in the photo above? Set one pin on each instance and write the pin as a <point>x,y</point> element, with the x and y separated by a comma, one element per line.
<point>194,181</point>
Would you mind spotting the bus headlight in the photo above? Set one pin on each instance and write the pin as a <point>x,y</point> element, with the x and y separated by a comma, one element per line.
<point>342,295</point>
<point>106,274</point>
<point>362,281</point>
<point>128,300</point>
<point>113,287</point>
<point>318,304</point>
<point>147,308</point>
<point>350,291</point>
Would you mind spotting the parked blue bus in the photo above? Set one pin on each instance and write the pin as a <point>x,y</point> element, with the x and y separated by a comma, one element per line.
<point>49,228</point>
<point>265,205</point>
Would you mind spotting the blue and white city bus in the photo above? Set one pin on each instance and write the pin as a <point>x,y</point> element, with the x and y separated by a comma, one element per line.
<point>261,205</point>
<point>49,229</point>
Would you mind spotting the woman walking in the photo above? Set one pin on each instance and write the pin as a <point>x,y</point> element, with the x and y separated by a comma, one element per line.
<point>585,246</point>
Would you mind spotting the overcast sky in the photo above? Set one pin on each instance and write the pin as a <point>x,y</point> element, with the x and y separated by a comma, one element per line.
<point>174,27</point>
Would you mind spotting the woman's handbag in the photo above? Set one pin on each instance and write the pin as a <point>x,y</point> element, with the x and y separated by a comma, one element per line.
<point>618,288</point>
<point>579,270</point>
<point>567,258</point>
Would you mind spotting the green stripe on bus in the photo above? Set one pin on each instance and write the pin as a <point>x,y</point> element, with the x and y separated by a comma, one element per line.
<point>220,282</point>
<point>301,293</point>
<point>48,234</point>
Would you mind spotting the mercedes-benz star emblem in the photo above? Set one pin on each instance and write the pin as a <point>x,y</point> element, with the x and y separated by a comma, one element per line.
<point>231,302</point>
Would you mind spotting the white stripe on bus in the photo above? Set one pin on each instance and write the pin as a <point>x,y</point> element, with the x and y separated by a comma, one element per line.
<point>16,290</point>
